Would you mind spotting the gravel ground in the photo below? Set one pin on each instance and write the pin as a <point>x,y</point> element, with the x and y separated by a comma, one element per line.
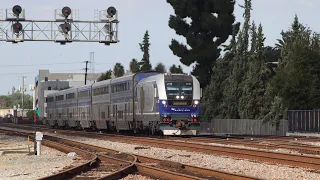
<point>246,147</point>
<point>136,177</point>
<point>17,163</point>
<point>239,166</point>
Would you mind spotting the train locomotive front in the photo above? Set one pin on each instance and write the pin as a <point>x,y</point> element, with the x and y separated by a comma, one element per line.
<point>179,105</point>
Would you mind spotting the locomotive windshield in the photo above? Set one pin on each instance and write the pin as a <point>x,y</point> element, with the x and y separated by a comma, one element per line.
<point>179,90</point>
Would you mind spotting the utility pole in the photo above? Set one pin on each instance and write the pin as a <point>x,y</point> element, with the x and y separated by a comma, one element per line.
<point>22,97</point>
<point>85,75</point>
<point>22,93</point>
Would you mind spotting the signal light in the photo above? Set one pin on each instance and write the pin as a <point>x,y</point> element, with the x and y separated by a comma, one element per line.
<point>17,27</point>
<point>65,28</point>
<point>66,11</point>
<point>111,11</point>
<point>17,10</point>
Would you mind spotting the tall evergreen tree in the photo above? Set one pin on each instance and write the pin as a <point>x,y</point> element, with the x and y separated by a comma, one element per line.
<point>118,70</point>
<point>213,99</point>
<point>296,84</point>
<point>211,25</point>
<point>145,47</point>
<point>176,69</point>
<point>134,66</point>
<point>160,68</point>
<point>239,66</point>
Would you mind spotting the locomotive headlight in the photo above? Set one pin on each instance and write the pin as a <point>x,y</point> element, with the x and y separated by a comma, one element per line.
<point>164,102</point>
<point>177,97</point>
<point>182,97</point>
<point>196,102</point>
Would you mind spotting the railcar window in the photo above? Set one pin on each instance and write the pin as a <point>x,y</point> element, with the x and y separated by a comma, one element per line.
<point>83,94</point>
<point>120,114</point>
<point>70,96</point>
<point>121,87</point>
<point>103,115</point>
<point>172,88</point>
<point>179,88</point>
<point>186,89</point>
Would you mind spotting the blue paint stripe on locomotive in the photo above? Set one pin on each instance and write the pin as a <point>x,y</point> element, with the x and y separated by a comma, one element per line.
<point>145,75</point>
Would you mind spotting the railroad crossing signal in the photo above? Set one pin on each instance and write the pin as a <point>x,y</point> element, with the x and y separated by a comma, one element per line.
<point>103,29</point>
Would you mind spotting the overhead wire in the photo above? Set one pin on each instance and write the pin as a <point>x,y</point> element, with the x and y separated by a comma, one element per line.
<point>49,64</point>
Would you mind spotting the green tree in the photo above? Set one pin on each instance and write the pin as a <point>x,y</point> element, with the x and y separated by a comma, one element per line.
<point>134,66</point>
<point>145,47</point>
<point>211,25</point>
<point>16,98</point>
<point>254,97</point>
<point>118,70</point>
<point>176,69</point>
<point>214,98</point>
<point>105,76</point>
<point>160,68</point>
<point>296,83</point>
<point>30,114</point>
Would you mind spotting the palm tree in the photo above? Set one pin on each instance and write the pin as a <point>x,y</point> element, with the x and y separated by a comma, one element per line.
<point>134,66</point>
<point>118,70</point>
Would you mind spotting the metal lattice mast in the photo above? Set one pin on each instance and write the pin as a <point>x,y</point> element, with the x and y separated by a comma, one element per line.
<point>1,23</point>
<point>77,25</point>
<point>96,33</point>
<point>65,28</point>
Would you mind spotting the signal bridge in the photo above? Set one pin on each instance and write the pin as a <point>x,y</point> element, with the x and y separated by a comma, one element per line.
<point>63,29</point>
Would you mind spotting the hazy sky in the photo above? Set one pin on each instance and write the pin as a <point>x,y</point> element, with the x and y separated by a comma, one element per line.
<point>136,16</point>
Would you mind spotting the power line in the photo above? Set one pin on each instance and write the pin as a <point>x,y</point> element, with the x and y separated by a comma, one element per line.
<point>23,65</point>
<point>8,74</point>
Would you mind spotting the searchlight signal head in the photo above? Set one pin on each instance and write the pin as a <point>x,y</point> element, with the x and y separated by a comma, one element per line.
<point>111,11</point>
<point>17,10</point>
<point>66,11</point>
<point>17,27</point>
<point>65,28</point>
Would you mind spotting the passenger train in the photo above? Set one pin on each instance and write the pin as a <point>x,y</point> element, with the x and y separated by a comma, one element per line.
<point>150,101</point>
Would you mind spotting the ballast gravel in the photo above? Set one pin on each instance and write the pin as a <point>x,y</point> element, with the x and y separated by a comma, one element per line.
<point>233,165</point>
<point>228,164</point>
<point>16,163</point>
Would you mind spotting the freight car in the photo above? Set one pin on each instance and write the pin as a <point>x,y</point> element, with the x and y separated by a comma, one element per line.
<point>149,101</point>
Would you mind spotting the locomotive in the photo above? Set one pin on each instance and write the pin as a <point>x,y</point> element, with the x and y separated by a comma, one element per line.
<point>143,102</point>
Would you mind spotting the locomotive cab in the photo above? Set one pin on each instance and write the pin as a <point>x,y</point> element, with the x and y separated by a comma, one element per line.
<point>179,112</point>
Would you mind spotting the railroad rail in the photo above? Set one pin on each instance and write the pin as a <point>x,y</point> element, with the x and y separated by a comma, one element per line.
<point>94,168</point>
<point>151,167</point>
<point>266,143</point>
<point>266,156</point>
<point>310,162</point>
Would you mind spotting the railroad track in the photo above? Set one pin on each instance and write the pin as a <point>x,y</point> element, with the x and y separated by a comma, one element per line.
<point>270,144</point>
<point>151,167</point>
<point>266,156</point>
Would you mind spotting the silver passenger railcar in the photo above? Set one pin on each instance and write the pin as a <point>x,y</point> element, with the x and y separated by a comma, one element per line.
<point>150,101</point>
<point>84,107</point>
<point>121,102</point>
<point>101,104</point>
<point>71,107</point>
<point>51,120</point>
